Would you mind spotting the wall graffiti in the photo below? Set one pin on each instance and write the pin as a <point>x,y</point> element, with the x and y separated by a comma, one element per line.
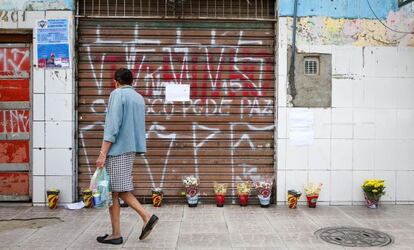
<point>14,62</point>
<point>231,112</point>
<point>14,121</point>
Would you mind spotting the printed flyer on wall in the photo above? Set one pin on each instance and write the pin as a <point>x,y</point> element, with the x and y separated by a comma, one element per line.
<point>52,37</point>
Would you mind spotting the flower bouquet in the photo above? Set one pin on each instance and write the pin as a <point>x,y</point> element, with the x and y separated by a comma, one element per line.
<point>373,190</point>
<point>220,191</point>
<point>264,190</point>
<point>191,190</point>
<point>157,196</point>
<point>312,191</point>
<point>243,190</point>
<point>293,197</point>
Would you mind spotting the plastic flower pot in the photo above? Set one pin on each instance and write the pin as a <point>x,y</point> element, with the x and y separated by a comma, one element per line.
<point>220,200</point>
<point>243,199</point>
<point>192,200</point>
<point>87,198</point>
<point>157,197</point>
<point>312,199</point>
<point>371,202</point>
<point>264,201</point>
<point>52,198</point>
<point>293,197</point>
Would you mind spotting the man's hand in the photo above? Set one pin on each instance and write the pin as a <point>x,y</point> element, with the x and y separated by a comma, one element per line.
<point>100,162</point>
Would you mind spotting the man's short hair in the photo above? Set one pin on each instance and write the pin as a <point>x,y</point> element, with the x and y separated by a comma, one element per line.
<point>123,76</point>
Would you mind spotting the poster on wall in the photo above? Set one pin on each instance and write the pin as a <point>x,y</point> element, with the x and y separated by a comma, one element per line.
<point>52,37</point>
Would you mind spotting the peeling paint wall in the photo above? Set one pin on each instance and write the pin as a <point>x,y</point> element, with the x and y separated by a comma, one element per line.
<point>31,5</point>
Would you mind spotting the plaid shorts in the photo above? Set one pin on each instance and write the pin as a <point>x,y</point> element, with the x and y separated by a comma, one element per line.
<point>119,168</point>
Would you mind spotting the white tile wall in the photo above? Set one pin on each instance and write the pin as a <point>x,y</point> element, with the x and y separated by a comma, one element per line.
<point>38,133</point>
<point>282,91</point>
<point>39,192</point>
<point>281,154</point>
<point>322,123</point>
<point>364,123</point>
<point>38,166</point>
<point>342,154</point>
<point>59,81</point>
<point>385,92</point>
<point>342,123</point>
<point>38,80</point>
<point>38,107</point>
<point>62,183</point>
<point>386,155</point>
<point>405,155</point>
<point>404,88</point>
<point>370,128</point>
<point>341,186</point>
<point>405,123</point>
<point>363,154</point>
<point>281,185</point>
<point>320,155</point>
<point>282,123</point>
<point>342,93</point>
<point>59,134</point>
<point>59,107</point>
<point>386,123</point>
<point>405,186</point>
<point>296,157</point>
<point>59,162</point>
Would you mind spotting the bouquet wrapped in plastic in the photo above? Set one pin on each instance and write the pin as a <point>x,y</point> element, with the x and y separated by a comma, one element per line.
<point>312,191</point>
<point>243,190</point>
<point>264,190</point>
<point>101,188</point>
<point>191,190</point>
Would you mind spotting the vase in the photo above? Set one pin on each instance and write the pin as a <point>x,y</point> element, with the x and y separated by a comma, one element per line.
<point>220,200</point>
<point>293,197</point>
<point>157,197</point>
<point>52,198</point>
<point>192,200</point>
<point>264,201</point>
<point>371,202</point>
<point>243,199</point>
<point>312,199</point>
<point>87,198</point>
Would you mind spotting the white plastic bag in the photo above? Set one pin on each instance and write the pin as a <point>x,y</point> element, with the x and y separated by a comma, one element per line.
<point>101,188</point>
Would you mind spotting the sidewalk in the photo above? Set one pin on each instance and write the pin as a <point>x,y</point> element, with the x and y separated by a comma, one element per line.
<point>207,227</point>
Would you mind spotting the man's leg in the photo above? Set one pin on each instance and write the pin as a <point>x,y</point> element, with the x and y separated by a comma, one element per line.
<point>130,199</point>
<point>115,213</point>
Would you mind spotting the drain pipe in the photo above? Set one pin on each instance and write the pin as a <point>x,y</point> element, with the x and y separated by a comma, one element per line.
<point>292,86</point>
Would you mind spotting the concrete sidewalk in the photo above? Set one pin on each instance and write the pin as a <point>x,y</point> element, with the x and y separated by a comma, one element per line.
<point>207,227</point>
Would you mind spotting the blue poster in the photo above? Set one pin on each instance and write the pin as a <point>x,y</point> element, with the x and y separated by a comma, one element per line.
<point>53,43</point>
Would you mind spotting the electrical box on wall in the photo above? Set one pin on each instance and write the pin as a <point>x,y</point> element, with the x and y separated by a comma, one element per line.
<point>312,81</point>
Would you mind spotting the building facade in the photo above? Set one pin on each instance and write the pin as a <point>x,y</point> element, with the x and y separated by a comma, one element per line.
<point>299,91</point>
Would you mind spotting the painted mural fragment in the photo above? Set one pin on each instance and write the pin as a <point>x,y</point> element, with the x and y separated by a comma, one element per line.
<point>30,5</point>
<point>357,32</point>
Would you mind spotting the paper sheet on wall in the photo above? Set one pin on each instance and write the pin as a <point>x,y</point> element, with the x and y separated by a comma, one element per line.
<point>177,92</point>
<point>301,131</point>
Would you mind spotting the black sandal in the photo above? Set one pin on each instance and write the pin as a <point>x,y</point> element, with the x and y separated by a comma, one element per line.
<point>102,239</point>
<point>148,227</point>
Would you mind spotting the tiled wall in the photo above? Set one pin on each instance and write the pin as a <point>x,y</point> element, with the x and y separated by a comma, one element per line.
<point>368,132</point>
<point>53,118</point>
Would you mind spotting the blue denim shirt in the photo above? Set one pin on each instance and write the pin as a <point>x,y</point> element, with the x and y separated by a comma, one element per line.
<point>125,122</point>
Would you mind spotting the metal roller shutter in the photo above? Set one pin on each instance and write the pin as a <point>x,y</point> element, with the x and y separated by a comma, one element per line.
<point>226,132</point>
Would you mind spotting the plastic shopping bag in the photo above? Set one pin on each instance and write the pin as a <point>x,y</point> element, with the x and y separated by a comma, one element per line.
<point>101,189</point>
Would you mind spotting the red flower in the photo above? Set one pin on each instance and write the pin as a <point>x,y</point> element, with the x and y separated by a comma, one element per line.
<point>265,193</point>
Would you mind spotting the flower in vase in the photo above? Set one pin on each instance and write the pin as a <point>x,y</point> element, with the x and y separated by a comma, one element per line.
<point>313,189</point>
<point>244,188</point>
<point>264,188</point>
<point>220,189</point>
